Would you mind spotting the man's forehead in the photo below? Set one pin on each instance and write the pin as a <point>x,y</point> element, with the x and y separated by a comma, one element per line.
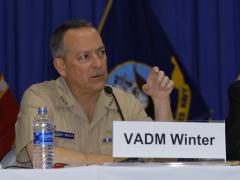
<point>88,50</point>
<point>83,31</point>
<point>83,39</point>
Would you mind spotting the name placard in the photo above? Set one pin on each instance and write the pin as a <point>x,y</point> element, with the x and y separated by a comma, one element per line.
<point>169,140</point>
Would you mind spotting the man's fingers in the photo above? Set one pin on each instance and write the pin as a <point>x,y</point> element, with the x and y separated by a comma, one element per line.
<point>145,88</point>
<point>164,82</point>
<point>152,75</point>
<point>170,84</point>
<point>160,76</point>
<point>155,69</point>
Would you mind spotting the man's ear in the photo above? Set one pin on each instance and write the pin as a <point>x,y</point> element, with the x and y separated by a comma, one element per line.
<point>59,66</point>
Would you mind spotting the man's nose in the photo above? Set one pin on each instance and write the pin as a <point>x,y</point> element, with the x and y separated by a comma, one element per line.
<point>97,62</point>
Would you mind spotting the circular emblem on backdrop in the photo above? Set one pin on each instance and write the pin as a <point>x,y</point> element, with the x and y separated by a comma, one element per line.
<point>130,76</point>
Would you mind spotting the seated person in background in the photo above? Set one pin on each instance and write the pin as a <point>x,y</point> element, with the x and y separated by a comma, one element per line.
<point>77,102</point>
<point>233,123</point>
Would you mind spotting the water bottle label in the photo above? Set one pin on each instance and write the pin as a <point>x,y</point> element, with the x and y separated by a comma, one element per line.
<point>43,138</point>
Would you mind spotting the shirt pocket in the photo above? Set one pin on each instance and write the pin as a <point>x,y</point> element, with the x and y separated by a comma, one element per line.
<point>65,142</point>
<point>106,142</point>
<point>106,149</point>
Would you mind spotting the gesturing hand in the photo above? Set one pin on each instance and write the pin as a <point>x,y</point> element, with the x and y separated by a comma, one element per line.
<point>158,85</point>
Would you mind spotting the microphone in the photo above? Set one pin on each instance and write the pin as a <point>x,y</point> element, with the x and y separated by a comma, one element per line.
<point>109,90</point>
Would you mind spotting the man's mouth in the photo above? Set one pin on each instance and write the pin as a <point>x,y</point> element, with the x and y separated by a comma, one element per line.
<point>97,75</point>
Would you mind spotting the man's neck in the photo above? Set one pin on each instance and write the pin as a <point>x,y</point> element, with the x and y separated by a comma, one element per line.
<point>87,97</point>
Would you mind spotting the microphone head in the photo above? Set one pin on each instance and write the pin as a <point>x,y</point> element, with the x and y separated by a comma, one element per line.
<point>108,89</point>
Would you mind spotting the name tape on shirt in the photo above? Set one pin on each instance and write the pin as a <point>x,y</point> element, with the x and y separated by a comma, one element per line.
<point>169,140</point>
<point>66,135</point>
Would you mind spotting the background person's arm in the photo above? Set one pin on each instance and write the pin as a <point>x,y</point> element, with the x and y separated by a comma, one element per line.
<point>233,123</point>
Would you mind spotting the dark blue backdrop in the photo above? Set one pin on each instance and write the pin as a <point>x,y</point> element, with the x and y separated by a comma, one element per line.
<point>204,33</point>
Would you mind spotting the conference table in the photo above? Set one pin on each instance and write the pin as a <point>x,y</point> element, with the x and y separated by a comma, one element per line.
<point>127,171</point>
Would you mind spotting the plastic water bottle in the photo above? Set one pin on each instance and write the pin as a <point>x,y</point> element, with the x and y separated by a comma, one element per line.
<point>43,140</point>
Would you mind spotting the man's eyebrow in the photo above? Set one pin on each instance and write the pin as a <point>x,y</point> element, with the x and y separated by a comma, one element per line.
<point>89,51</point>
<point>102,47</point>
<point>83,52</point>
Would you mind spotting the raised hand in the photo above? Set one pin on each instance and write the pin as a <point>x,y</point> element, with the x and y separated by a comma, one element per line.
<point>158,85</point>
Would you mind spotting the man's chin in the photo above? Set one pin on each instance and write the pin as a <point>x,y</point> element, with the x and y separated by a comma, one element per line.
<point>99,87</point>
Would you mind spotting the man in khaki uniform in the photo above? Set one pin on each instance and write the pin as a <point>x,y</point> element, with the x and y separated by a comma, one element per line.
<point>80,108</point>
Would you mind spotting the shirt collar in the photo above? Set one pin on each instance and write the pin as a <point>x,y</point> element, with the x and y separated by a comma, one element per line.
<point>66,98</point>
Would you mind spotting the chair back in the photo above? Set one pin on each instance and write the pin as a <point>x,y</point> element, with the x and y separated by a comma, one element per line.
<point>9,160</point>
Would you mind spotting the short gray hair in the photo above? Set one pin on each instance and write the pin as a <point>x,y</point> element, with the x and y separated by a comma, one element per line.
<point>56,42</point>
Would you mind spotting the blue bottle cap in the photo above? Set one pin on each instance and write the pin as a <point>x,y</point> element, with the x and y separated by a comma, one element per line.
<point>42,110</point>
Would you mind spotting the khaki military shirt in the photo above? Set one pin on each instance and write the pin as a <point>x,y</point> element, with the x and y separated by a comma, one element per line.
<point>72,127</point>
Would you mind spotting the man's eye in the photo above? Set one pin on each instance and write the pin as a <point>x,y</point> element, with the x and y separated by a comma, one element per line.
<point>101,52</point>
<point>83,57</point>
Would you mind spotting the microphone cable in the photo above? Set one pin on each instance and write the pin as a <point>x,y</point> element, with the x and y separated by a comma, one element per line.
<point>109,90</point>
